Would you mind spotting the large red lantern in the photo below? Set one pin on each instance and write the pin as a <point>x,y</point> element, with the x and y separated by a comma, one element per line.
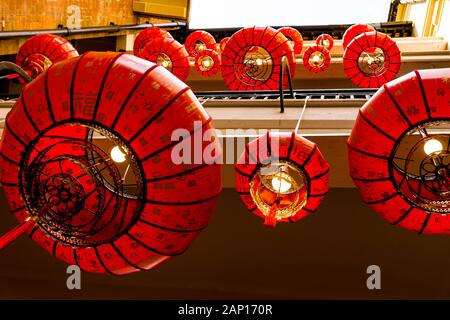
<point>198,41</point>
<point>87,158</point>
<point>169,53</point>
<point>399,151</point>
<point>354,31</point>
<point>371,59</point>
<point>147,35</point>
<point>316,58</point>
<point>252,59</point>
<point>207,62</point>
<point>282,177</point>
<point>294,36</point>
<point>39,52</point>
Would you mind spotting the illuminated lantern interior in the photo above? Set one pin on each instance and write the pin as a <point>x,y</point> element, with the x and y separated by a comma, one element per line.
<point>371,61</point>
<point>316,58</point>
<point>77,200</point>
<point>279,190</point>
<point>164,60</point>
<point>200,46</point>
<point>207,62</point>
<point>281,177</point>
<point>257,64</point>
<point>421,168</point>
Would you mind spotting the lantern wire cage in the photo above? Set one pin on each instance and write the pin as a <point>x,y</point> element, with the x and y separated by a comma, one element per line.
<point>279,190</point>
<point>255,65</point>
<point>371,61</point>
<point>76,189</point>
<point>421,167</point>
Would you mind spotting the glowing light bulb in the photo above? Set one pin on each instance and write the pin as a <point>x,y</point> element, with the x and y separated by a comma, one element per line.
<point>281,184</point>
<point>206,63</point>
<point>259,62</point>
<point>117,155</point>
<point>432,146</point>
<point>316,59</point>
<point>165,63</point>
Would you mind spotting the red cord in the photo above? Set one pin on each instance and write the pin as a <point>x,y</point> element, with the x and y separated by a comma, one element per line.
<point>17,231</point>
<point>270,220</point>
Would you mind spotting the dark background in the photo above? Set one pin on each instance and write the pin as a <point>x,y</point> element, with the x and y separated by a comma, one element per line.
<point>324,256</point>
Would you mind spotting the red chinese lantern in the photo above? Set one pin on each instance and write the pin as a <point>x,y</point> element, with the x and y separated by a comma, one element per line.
<point>170,54</point>
<point>294,36</point>
<point>282,177</point>
<point>39,52</point>
<point>371,59</point>
<point>117,204</point>
<point>325,40</point>
<point>207,62</point>
<point>398,156</point>
<point>223,43</point>
<point>354,31</point>
<point>198,41</point>
<point>147,35</point>
<point>316,58</point>
<point>252,59</point>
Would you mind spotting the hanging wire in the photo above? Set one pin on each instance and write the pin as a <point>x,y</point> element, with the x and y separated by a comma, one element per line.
<point>301,114</point>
